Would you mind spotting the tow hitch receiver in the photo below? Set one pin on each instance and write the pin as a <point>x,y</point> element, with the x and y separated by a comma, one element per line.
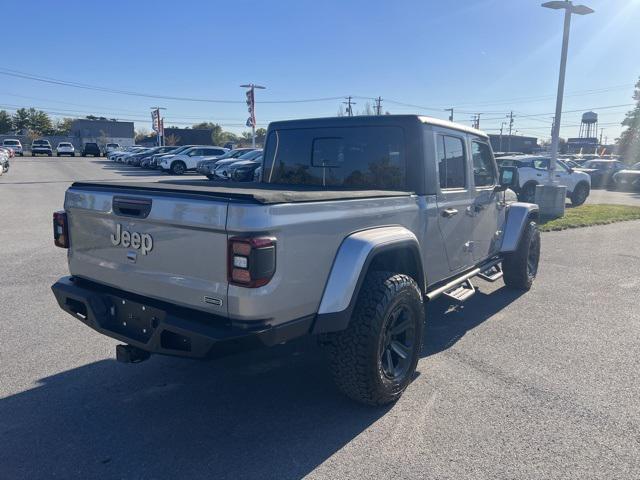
<point>131,354</point>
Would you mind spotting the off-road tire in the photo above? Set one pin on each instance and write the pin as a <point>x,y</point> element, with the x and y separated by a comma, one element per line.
<point>178,168</point>
<point>579,194</point>
<point>518,272</point>
<point>355,353</point>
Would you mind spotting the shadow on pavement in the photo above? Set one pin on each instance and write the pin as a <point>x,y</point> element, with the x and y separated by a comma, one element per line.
<point>271,413</point>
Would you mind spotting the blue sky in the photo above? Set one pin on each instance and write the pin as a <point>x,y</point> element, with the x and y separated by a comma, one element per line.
<point>487,56</point>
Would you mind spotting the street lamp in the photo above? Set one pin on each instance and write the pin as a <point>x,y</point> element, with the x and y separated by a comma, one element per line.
<point>251,103</point>
<point>549,192</point>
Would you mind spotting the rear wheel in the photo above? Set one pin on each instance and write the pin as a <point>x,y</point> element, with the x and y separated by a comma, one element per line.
<point>178,168</point>
<point>374,359</point>
<point>579,194</point>
<point>521,267</point>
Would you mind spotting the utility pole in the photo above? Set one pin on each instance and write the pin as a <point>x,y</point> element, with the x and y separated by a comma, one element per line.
<point>349,104</point>
<point>251,104</point>
<point>501,128</point>
<point>553,125</point>
<point>158,124</point>
<point>476,122</point>
<point>510,117</point>
<point>569,9</point>
<point>601,131</point>
<point>450,110</point>
<point>379,106</point>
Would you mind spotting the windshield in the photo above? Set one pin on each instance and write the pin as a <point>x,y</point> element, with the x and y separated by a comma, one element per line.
<point>250,155</point>
<point>11,142</point>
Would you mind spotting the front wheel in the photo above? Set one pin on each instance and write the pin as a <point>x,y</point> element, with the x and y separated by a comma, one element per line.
<point>178,168</point>
<point>579,194</point>
<point>374,359</point>
<point>521,267</point>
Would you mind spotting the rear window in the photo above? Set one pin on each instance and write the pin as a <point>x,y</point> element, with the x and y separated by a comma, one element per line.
<point>11,142</point>
<point>352,157</point>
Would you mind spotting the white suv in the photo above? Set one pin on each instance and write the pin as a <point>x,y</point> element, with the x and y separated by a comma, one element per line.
<point>188,159</point>
<point>534,170</point>
<point>65,148</point>
<point>14,145</point>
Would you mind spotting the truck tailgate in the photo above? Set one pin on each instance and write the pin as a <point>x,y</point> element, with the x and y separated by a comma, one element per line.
<point>159,246</point>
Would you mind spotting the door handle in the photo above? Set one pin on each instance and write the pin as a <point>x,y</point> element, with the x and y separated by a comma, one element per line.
<point>449,212</point>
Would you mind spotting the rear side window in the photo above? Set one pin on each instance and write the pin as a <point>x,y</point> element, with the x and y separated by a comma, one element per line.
<point>352,157</point>
<point>451,164</point>
<point>484,173</point>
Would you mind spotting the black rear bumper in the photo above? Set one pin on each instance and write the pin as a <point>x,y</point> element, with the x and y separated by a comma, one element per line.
<point>158,327</point>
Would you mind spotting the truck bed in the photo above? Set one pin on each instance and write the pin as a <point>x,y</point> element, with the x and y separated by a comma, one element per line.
<point>262,193</point>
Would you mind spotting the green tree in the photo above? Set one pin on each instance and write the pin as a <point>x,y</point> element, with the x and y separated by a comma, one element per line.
<point>629,141</point>
<point>21,119</point>
<point>62,126</point>
<point>261,134</point>
<point>6,122</point>
<point>40,122</point>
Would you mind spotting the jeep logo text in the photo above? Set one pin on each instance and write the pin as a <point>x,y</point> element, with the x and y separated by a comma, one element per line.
<point>138,241</point>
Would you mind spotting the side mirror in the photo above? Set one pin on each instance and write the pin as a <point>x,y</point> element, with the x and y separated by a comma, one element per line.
<point>508,179</point>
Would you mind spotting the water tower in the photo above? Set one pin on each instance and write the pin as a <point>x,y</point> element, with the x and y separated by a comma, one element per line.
<point>589,125</point>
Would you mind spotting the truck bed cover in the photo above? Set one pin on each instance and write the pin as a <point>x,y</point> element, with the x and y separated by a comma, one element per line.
<point>263,193</point>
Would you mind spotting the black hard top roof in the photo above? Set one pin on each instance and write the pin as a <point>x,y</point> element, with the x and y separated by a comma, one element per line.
<point>373,120</point>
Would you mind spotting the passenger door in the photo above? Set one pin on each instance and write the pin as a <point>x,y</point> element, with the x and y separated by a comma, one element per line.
<point>454,198</point>
<point>564,177</point>
<point>486,210</point>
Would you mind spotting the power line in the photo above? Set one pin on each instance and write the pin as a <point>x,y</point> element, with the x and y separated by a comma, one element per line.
<point>54,81</point>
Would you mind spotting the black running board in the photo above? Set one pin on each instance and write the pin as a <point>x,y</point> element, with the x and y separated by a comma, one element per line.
<point>462,292</point>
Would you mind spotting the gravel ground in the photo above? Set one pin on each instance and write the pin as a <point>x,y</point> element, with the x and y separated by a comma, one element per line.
<point>540,385</point>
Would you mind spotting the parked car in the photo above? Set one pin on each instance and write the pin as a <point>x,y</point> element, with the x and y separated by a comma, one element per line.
<point>350,255</point>
<point>65,148</point>
<point>627,179</point>
<point>90,148</point>
<point>155,159</point>
<point>121,157</point>
<point>188,159</point>
<point>145,158</point>
<point>206,166</point>
<point>135,158</point>
<point>110,147</point>
<point>41,147</point>
<point>244,170</point>
<point>14,144</point>
<point>8,151</point>
<point>601,171</point>
<point>221,171</point>
<point>534,170</point>
<point>4,161</point>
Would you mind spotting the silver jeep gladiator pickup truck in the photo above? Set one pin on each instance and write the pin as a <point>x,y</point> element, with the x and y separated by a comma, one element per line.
<point>357,222</point>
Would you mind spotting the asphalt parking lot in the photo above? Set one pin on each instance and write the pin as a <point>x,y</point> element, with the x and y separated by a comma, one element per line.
<point>541,385</point>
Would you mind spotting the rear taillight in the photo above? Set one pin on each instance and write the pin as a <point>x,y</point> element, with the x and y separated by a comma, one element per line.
<point>251,261</point>
<point>60,229</point>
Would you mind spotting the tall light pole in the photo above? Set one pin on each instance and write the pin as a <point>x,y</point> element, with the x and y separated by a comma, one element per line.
<point>551,197</point>
<point>251,104</point>
<point>569,8</point>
